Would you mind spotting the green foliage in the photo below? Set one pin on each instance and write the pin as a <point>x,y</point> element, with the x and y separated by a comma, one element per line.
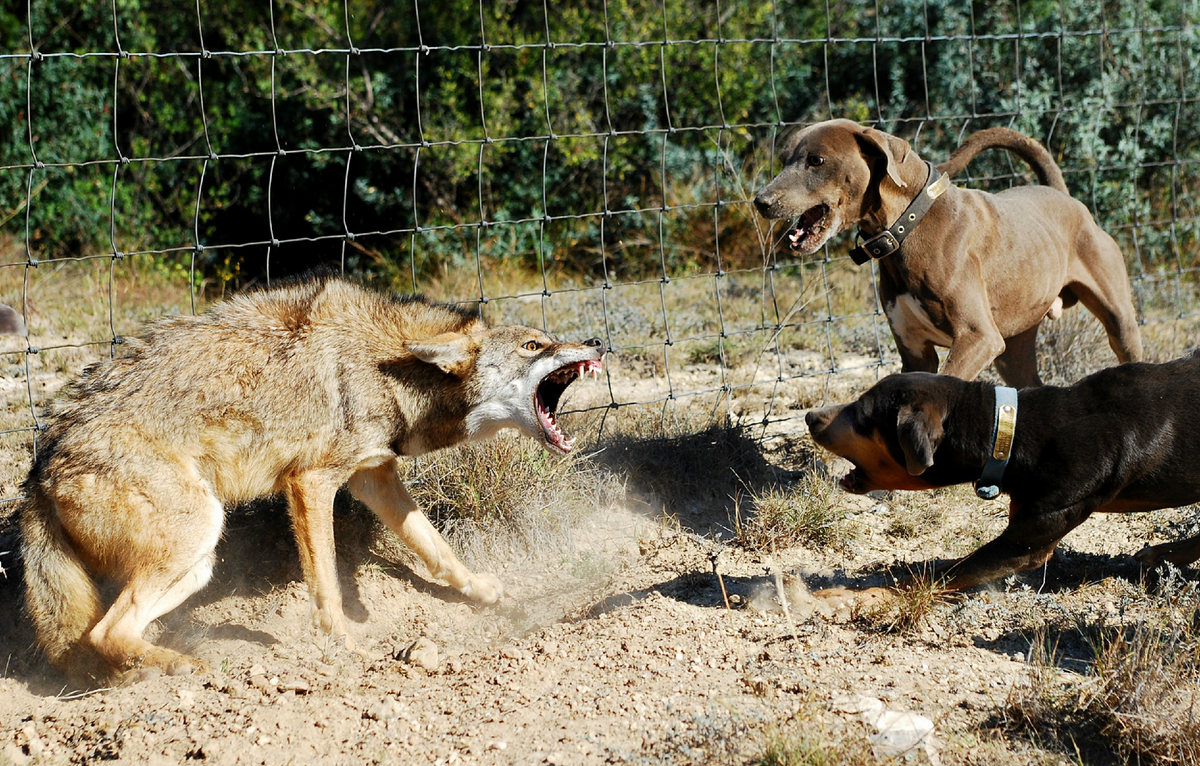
<point>637,126</point>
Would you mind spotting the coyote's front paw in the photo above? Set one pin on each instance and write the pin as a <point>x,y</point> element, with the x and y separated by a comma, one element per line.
<point>484,588</point>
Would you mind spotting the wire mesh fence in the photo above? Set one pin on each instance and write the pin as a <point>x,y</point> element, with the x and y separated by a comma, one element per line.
<point>588,169</point>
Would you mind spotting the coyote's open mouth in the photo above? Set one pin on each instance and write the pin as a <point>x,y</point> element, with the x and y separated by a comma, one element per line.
<point>806,235</point>
<point>548,394</point>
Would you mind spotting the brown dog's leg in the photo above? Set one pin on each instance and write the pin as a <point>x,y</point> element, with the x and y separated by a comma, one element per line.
<point>1018,364</point>
<point>310,503</point>
<point>382,491</point>
<point>976,340</point>
<point>1179,553</point>
<point>1102,285</point>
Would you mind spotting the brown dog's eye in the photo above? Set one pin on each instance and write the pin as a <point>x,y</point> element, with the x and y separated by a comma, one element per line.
<point>815,160</point>
<point>532,345</point>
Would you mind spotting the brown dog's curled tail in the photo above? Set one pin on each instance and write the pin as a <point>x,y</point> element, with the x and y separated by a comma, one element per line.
<point>60,595</point>
<point>1019,144</point>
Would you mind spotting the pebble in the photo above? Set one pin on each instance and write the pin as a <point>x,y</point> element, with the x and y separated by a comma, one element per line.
<point>422,652</point>
<point>14,755</point>
<point>33,742</point>
<point>898,733</point>
<point>386,709</point>
<point>497,744</point>
<point>297,685</point>
<point>868,708</point>
<point>261,683</point>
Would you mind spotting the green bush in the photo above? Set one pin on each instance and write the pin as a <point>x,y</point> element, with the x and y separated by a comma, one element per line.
<point>1117,106</point>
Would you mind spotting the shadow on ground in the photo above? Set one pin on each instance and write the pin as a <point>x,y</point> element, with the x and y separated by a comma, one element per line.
<point>696,478</point>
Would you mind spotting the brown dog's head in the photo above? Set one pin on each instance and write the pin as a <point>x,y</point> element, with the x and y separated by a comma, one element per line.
<point>893,432</point>
<point>831,179</point>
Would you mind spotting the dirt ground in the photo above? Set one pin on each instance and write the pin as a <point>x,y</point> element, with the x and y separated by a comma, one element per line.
<point>642,631</point>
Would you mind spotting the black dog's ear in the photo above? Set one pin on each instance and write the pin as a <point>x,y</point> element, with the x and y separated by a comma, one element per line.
<point>878,146</point>
<point>920,431</point>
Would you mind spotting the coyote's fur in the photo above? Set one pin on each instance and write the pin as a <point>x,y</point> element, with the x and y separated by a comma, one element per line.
<point>296,391</point>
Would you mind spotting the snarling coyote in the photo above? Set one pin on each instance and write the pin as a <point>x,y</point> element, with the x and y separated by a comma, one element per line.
<point>294,391</point>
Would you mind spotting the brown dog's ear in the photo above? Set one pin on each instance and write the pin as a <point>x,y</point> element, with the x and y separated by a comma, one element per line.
<point>883,147</point>
<point>451,352</point>
<point>919,429</point>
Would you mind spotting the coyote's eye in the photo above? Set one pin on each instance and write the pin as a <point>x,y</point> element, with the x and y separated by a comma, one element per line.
<point>815,160</point>
<point>532,345</point>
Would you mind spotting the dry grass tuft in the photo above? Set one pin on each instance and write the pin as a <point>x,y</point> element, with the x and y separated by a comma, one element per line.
<point>813,744</point>
<point>1139,703</point>
<point>511,484</point>
<point>803,514</point>
<point>908,609</point>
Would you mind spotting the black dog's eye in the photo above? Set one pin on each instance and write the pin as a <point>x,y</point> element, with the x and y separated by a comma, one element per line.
<point>815,160</point>
<point>532,345</point>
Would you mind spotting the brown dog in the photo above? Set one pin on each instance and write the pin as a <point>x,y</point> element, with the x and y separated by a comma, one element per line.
<point>293,391</point>
<point>1117,441</point>
<point>980,271</point>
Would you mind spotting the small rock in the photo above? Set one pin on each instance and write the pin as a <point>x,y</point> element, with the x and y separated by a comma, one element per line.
<point>297,685</point>
<point>422,652</point>
<point>497,744</point>
<point>386,709</point>
<point>257,670</point>
<point>556,758</point>
<point>898,732</point>
<point>453,666</point>
<point>261,683</point>
<point>14,755</point>
<point>33,743</point>
<point>859,705</point>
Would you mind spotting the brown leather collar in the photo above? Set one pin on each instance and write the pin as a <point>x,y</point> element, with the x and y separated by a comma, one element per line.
<point>889,240</point>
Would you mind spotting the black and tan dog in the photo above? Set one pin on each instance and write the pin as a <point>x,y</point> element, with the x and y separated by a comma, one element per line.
<point>1124,439</point>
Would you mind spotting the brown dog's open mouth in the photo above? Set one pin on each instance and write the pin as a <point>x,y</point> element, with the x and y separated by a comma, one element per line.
<point>809,228</point>
<point>548,394</point>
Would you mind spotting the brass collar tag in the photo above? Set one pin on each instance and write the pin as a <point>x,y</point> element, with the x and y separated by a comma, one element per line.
<point>1003,433</point>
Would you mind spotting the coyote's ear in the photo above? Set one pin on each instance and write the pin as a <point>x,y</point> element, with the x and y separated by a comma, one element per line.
<point>451,352</point>
<point>878,146</point>
<point>919,429</point>
<point>10,321</point>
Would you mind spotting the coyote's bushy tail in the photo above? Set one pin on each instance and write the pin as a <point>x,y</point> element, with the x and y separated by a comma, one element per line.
<point>60,595</point>
<point>1021,145</point>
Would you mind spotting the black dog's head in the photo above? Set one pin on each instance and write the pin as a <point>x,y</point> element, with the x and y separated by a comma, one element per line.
<point>892,434</point>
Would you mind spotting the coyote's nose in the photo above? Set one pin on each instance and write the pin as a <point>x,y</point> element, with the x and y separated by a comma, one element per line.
<point>594,343</point>
<point>763,202</point>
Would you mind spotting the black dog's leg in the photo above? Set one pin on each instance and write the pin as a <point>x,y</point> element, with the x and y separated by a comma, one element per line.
<point>1026,543</point>
<point>1179,553</point>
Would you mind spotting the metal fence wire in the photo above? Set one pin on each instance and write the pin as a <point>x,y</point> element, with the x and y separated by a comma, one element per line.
<point>585,167</point>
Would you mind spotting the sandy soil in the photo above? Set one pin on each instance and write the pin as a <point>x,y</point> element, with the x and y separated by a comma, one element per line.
<point>617,647</point>
<point>643,634</point>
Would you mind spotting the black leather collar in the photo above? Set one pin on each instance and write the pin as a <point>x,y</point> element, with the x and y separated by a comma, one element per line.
<point>889,240</point>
